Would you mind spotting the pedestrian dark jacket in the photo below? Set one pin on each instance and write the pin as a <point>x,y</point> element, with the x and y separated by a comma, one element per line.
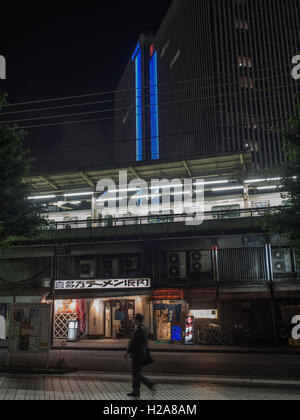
<point>138,345</point>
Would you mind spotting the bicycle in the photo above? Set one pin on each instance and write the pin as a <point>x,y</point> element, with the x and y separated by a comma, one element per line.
<point>215,333</point>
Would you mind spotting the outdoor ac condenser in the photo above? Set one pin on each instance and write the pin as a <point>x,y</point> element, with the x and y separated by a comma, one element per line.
<point>130,265</point>
<point>282,261</point>
<point>200,261</point>
<point>87,269</point>
<point>110,267</point>
<point>176,265</point>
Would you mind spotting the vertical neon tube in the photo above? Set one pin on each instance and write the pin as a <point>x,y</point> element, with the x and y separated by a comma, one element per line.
<point>139,116</point>
<point>154,108</point>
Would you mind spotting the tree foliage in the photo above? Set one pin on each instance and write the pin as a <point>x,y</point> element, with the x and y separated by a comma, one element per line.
<point>286,221</point>
<point>19,216</point>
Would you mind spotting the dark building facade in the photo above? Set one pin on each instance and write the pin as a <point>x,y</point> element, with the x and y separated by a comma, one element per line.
<point>223,71</point>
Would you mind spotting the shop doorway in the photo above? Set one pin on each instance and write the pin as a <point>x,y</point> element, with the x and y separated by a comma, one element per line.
<point>119,318</point>
<point>163,325</point>
<point>167,316</point>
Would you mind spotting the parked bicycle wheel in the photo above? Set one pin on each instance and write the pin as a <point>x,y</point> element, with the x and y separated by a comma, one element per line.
<point>226,338</point>
<point>204,338</point>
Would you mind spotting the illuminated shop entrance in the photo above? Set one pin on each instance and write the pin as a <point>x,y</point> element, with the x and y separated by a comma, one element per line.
<point>163,323</point>
<point>100,318</point>
<point>119,318</point>
<point>169,309</point>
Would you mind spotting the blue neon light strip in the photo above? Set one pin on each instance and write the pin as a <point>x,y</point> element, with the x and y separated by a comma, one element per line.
<point>136,51</point>
<point>139,117</point>
<point>154,108</point>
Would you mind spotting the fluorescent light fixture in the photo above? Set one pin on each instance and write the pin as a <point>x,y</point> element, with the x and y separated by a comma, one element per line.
<point>255,181</point>
<point>270,187</point>
<point>78,194</point>
<point>124,190</point>
<point>228,188</point>
<point>225,181</point>
<point>42,197</point>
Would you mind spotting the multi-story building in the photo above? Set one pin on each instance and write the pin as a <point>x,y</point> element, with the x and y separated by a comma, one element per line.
<point>218,77</point>
<point>103,270</point>
<point>199,100</point>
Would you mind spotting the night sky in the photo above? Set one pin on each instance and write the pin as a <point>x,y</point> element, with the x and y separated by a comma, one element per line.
<point>54,51</point>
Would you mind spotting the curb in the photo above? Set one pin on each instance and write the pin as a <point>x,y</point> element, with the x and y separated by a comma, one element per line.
<point>29,371</point>
<point>185,350</point>
<point>213,380</point>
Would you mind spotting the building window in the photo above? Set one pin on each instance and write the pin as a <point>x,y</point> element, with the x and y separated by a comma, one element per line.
<point>245,62</point>
<point>241,24</point>
<point>246,82</point>
<point>260,204</point>
<point>227,211</point>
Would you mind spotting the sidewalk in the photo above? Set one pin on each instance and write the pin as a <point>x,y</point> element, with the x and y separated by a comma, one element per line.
<point>85,386</point>
<point>121,345</point>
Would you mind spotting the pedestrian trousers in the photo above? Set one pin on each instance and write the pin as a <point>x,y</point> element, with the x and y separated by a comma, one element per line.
<point>137,378</point>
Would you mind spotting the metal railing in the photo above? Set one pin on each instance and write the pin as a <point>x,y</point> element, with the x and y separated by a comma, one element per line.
<point>157,219</point>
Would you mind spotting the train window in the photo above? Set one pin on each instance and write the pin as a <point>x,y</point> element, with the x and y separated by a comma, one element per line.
<point>229,211</point>
<point>260,204</point>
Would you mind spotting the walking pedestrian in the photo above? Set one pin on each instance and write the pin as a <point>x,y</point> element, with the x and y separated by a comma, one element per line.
<point>140,355</point>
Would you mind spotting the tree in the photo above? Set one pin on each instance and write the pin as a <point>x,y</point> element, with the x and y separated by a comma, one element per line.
<point>19,217</point>
<point>286,220</point>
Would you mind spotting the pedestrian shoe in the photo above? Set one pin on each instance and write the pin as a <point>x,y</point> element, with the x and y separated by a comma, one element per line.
<point>152,387</point>
<point>134,394</point>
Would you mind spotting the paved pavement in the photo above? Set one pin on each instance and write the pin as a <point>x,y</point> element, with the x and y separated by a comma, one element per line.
<point>72,387</point>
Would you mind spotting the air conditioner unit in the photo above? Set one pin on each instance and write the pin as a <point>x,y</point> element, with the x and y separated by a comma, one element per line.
<point>130,263</point>
<point>200,262</point>
<point>281,261</point>
<point>110,267</point>
<point>176,265</point>
<point>87,269</point>
<point>297,261</point>
<point>46,283</point>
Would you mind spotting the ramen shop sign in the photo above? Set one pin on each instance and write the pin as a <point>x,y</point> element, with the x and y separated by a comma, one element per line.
<point>103,284</point>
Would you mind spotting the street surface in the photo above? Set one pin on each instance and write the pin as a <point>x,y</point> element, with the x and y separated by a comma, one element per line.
<point>255,365</point>
<point>71,387</point>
